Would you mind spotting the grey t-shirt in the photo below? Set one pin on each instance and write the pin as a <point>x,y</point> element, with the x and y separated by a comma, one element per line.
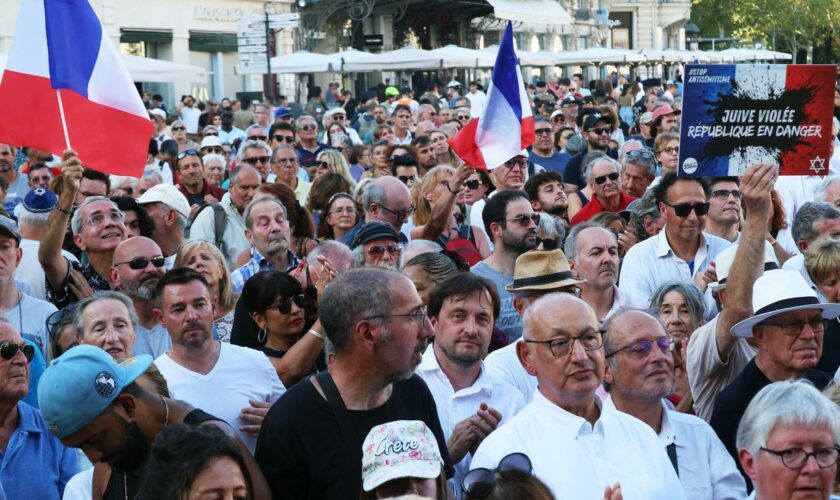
<point>153,342</point>
<point>508,320</point>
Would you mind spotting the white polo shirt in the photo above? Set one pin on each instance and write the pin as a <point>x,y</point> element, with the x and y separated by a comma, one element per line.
<point>578,460</point>
<point>504,365</point>
<point>453,407</point>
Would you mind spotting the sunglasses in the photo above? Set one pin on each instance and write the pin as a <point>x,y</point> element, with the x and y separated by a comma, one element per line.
<point>322,164</point>
<point>287,138</point>
<point>258,138</point>
<point>407,179</point>
<point>526,220</point>
<point>214,134</point>
<point>542,131</point>
<point>256,159</point>
<point>521,163</point>
<point>472,184</point>
<point>61,317</point>
<point>187,152</point>
<point>724,194</point>
<point>548,244</point>
<point>9,350</point>
<point>463,117</point>
<point>600,130</point>
<point>378,250</point>
<point>139,263</point>
<point>178,129</point>
<point>285,304</point>
<point>479,483</point>
<point>683,209</point>
<point>308,127</point>
<point>603,178</point>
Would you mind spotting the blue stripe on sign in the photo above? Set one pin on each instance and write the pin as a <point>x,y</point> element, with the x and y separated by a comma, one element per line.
<point>74,35</point>
<point>504,73</point>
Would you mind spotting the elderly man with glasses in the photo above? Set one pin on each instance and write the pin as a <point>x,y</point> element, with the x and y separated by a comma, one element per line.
<point>604,179</point>
<point>577,446</point>
<point>639,374</point>
<point>256,153</point>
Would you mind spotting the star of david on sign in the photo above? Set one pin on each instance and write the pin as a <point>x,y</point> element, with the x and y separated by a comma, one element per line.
<point>818,164</point>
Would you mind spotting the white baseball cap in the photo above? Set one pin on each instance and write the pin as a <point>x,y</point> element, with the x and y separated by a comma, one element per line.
<point>168,195</point>
<point>210,141</point>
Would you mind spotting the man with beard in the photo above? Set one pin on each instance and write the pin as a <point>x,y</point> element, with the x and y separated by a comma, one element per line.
<point>509,218</point>
<point>170,212</point>
<point>543,152</point>
<point>511,174</point>
<point>35,463</point>
<point>97,227</point>
<point>91,402</point>
<point>267,230</point>
<point>604,179</point>
<point>235,383</point>
<point>592,251</point>
<point>138,266</point>
<point>18,184</point>
<point>426,157</point>
<point>724,218</point>
<point>470,401</point>
<point>545,190</point>
<point>193,186</point>
<point>596,132</point>
<point>311,444</point>
<point>639,375</point>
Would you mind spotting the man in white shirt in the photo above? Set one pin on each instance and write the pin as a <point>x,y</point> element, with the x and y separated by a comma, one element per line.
<point>681,251</point>
<point>189,114</point>
<point>234,383</point>
<point>577,448</point>
<point>470,402</point>
<point>640,373</point>
<point>816,219</point>
<point>592,251</point>
<point>170,212</point>
<point>478,100</point>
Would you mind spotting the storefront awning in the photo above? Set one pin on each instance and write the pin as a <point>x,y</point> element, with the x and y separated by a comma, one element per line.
<point>531,11</point>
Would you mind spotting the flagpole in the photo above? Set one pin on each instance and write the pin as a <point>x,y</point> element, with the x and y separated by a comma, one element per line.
<point>63,119</point>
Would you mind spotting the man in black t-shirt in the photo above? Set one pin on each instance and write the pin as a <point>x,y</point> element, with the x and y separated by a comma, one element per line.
<point>595,129</point>
<point>310,446</point>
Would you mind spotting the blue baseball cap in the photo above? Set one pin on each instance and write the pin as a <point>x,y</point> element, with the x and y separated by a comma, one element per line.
<point>282,112</point>
<point>78,386</point>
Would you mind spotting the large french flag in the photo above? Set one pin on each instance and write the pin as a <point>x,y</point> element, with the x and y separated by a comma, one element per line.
<point>61,58</point>
<point>507,125</point>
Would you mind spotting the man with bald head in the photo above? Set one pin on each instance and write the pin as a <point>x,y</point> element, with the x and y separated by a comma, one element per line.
<point>137,268</point>
<point>640,373</point>
<point>386,199</point>
<point>577,447</point>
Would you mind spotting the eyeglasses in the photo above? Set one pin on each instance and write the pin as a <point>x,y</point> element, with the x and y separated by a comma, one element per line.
<point>796,458</point>
<point>309,127</point>
<point>285,304</point>
<point>562,346</point>
<point>472,184</point>
<point>795,328</point>
<point>256,159</point>
<point>513,162</point>
<point>258,138</point>
<point>603,178</point>
<point>526,220</point>
<point>600,130</point>
<point>98,219</point>
<point>286,161</point>
<point>683,209</point>
<point>178,129</point>
<point>479,482</point>
<point>287,138</point>
<point>139,263</point>
<point>542,131</point>
<point>214,134</point>
<point>670,151</point>
<point>639,153</point>
<point>399,214</point>
<point>642,348</point>
<point>213,149</point>
<point>377,250</point>
<point>187,152</point>
<point>420,316</point>
<point>9,350</point>
<point>724,194</point>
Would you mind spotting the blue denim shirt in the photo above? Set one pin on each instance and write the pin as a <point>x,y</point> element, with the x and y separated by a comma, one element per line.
<point>35,464</point>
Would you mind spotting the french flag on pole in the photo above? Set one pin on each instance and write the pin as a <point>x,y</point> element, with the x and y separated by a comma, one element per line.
<point>65,86</point>
<point>507,125</point>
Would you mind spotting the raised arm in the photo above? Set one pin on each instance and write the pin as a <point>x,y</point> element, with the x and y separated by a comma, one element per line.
<point>442,207</point>
<point>748,264</point>
<point>49,252</point>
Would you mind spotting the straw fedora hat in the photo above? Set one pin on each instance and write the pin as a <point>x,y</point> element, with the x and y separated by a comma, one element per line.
<point>542,270</point>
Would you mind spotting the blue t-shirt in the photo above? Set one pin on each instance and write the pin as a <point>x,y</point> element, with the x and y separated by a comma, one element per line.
<point>508,320</point>
<point>557,161</point>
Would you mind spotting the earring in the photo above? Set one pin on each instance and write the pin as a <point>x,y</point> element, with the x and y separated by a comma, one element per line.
<point>261,335</point>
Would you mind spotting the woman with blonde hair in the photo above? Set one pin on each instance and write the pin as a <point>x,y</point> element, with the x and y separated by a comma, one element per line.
<point>208,261</point>
<point>331,161</point>
<point>822,261</point>
<point>179,134</point>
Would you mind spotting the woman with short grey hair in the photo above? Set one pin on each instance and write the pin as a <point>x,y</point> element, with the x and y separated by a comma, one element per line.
<point>788,441</point>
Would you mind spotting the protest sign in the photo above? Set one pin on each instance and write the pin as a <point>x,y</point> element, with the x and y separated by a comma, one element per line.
<point>738,114</point>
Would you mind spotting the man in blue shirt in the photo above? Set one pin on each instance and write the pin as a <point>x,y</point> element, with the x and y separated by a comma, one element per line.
<point>543,152</point>
<point>33,462</point>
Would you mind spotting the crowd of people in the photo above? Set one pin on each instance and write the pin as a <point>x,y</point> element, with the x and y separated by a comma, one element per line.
<point>332,304</point>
